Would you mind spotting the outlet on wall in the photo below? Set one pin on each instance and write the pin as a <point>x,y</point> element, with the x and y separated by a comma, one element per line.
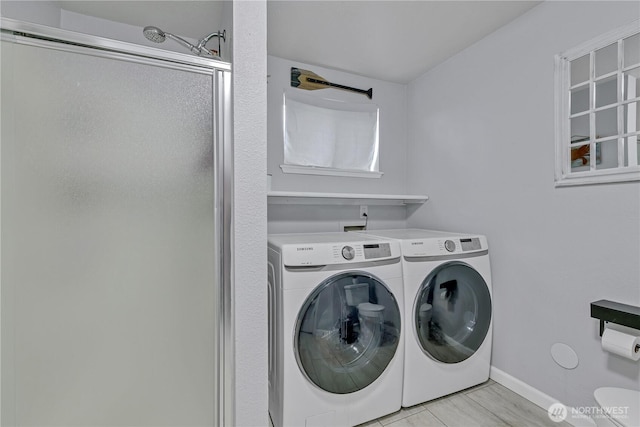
<point>364,211</point>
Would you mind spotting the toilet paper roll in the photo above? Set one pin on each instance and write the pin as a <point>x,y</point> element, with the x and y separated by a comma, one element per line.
<point>622,344</point>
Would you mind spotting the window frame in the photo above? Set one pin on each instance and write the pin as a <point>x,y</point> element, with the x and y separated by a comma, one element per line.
<point>295,96</point>
<point>564,176</point>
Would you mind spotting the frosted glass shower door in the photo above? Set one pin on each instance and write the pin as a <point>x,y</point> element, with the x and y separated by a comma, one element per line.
<point>109,253</point>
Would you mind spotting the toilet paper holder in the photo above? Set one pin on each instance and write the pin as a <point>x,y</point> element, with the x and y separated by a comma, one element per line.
<point>615,312</point>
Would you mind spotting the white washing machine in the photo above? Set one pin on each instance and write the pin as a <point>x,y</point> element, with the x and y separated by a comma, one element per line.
<point>336,339</point>
<point>448,311</point>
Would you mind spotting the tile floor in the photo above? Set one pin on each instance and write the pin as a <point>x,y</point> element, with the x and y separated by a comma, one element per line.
<point>487,405</point>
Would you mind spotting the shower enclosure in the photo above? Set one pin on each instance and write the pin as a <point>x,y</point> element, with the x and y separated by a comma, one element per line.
<point>113,216</point>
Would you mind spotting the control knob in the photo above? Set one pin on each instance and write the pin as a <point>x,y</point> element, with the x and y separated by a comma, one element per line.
<point>450,245</point>
<point>348,253</point>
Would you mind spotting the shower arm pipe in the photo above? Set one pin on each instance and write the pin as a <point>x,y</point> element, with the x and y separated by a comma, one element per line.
<point>197,50</point>
<point>219,34</point>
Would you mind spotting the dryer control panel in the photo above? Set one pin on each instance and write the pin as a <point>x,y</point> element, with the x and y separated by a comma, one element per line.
<point>465,245</point>
<point>299,255</point>
<point>444,246</point>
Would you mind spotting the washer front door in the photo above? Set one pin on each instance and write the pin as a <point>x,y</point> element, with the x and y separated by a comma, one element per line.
<point>347,332</point>
<point>452,312</point>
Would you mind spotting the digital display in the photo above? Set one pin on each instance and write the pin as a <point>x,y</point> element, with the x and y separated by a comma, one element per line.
<point>377,250</point>
<point>471,244</point>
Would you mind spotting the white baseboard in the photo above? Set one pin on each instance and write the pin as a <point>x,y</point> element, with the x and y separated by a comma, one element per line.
<point>534,395</point>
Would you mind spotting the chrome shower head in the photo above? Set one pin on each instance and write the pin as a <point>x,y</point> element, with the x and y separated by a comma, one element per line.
<point>154,34</point>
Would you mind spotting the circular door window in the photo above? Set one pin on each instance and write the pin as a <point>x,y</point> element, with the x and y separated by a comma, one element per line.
<point>452,312</point>
<point>347,332</point>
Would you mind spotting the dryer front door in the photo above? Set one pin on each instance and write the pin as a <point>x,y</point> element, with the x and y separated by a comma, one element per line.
<point>347,332</point>
<point>452,312</point>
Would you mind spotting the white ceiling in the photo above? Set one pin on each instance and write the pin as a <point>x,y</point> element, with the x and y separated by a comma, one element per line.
<point>390,40</point>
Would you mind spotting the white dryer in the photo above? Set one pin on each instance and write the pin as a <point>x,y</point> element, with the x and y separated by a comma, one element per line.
<point>448,311</point>
<point>336,339</point>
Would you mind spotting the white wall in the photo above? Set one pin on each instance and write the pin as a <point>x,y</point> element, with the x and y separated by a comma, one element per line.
<point>226,23</point>
<point>481,144</point>
<point>391,100</point>
<point>250,211</point>
<point>39,12</point>
<point>290,218</point>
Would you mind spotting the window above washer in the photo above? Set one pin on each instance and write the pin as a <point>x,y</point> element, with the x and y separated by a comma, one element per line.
<point>330,137</point>
<point>597,115</point>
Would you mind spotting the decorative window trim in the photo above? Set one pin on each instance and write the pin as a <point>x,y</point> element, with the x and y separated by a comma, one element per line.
<point>564,176</point>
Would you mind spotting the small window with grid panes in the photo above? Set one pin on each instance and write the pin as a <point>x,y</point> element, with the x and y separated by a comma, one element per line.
<point>598,119</point>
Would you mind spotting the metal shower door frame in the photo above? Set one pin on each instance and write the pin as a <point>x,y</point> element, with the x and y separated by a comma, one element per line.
<point>58,39</point>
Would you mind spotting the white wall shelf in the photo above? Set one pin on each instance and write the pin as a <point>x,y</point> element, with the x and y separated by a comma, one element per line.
<point>309,198</point>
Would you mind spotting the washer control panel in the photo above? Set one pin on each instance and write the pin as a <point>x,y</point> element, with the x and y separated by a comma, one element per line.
<point>368,251</point>
<point>339,253</point>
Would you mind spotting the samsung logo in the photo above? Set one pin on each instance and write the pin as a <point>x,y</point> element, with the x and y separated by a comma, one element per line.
<point>417,243</point>
<point>304,249</point>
